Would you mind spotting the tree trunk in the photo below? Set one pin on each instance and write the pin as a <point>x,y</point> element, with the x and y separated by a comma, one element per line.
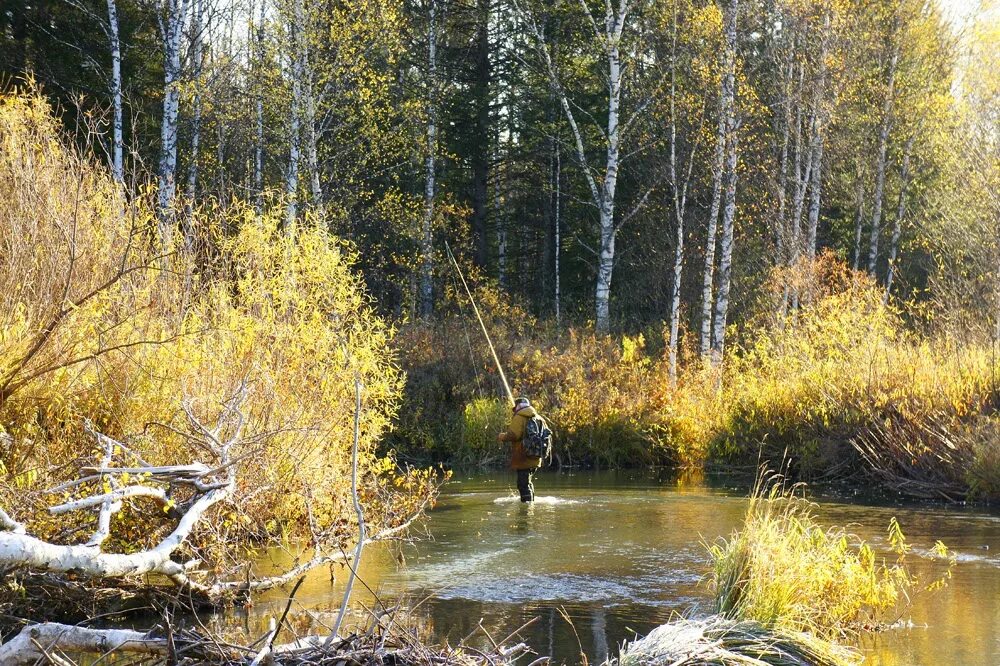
<point>816,147</point>
<point>606,253</point>
<point>117,167</point>
<point>708,273</point>
<point>173,30</point>
<point>558,239</point>
<point>196,60</point>
<point>294,123</point>
<point>258,157</point>
<point>481,145</point>
<point>427,241</point>
<point>729,210</point>
<point>897,227</point>
<point>883,148</point>
<point>859,216</point>
<point>679,205</point>
<point>312,153</point>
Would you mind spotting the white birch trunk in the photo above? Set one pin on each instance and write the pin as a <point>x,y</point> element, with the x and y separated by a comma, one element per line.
<point>614,24</point>
<point>196,58</point>
<point>729,210</point>
<point>708,273</point>
<point>501,220</point>
<point>312,153</point>
<point>32,644</point>
<point>883,148</point>
<point>603,194</point>
<point>680,203</point>
<point>294,124</point>
<point>816,146</point>
<point>117,166</point>
<point>173,30</point>
<point>258,158</point>
<point>897,227</point>
<point>430,167</point>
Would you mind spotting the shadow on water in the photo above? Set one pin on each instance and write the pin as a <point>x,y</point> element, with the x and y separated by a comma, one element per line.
<point>620,553</point>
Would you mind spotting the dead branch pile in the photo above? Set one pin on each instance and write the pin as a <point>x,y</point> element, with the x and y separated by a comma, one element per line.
<point>929,457</point>
<point>384,643</point>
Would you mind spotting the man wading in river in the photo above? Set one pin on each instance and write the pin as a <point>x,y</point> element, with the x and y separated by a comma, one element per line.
<point>531,441</point>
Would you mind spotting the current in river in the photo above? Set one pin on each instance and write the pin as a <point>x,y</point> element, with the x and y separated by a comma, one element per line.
<point>620,553</point>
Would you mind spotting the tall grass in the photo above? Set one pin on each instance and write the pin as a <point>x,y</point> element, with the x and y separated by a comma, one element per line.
<point>785,571</point>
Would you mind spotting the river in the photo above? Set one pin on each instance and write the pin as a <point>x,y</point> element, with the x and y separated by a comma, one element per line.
<point>620,553</point>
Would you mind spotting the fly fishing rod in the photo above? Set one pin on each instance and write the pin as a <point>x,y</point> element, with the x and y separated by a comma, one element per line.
<point>482,324</point>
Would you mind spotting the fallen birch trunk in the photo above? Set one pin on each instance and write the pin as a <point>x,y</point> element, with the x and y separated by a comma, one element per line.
<point>186,493</point>
<point>36,643</point>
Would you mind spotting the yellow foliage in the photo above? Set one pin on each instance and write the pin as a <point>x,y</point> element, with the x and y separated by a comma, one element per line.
<point>283,313</point>
<point>785,571</point>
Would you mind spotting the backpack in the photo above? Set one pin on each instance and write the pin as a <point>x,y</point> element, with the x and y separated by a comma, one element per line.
<point>537,441</point>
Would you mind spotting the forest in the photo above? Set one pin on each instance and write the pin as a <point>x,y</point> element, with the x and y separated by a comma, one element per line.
<point>712,236</point>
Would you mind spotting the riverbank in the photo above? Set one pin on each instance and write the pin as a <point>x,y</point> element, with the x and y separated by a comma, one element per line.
<point>622,553</point>
<point>842,387</point>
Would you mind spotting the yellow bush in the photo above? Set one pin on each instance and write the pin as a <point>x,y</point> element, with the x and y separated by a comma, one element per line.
<point>283,313</point>
<point>786,572</point>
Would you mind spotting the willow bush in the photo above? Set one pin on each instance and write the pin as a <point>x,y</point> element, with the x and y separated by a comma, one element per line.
<point>109,320</point>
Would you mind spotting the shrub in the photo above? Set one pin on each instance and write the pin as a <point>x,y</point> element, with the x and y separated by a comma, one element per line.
<point>784,571</point>
<point>110,320</point>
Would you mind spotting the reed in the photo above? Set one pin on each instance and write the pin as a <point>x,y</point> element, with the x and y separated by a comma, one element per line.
<point>787,573</point>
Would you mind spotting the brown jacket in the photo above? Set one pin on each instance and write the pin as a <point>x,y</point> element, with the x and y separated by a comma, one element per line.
<point>515,435</point>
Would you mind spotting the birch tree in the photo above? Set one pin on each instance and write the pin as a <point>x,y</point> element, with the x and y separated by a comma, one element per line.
<point>116,92</point>
<point>608,35</point>
<point>172,19</point>
<point>728,108</point>
<point>296,29</point>
<point>197,42</point>
<point>430,164</point>
<point>885,126</point>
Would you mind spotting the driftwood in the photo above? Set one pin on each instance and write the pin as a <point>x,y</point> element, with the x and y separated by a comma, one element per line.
<point>186,492</point>
<point>382,643</point>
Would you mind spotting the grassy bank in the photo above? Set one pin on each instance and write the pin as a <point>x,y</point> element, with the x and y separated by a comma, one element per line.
<point>842,384</point>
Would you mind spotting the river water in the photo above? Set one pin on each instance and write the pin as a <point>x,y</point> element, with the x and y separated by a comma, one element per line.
<point>620,553</point>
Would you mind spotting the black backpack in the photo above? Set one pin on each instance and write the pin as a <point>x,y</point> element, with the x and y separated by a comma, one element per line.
<point>537,441</point>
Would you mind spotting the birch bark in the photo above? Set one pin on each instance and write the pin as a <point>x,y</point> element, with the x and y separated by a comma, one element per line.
<point>818,139</point>
<point>294,122</point>
<point>708,273</point>
<point>427,240</point>
<point>258,155</point>
<point>116,92</point>
<point>883,147</point>
<point>172,29</point>
<point>603,192</point>
<point>196,59</point>
<point>729,211</point>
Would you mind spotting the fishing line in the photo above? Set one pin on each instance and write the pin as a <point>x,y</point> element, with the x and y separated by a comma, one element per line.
<point>468,340</point>
<point>482,324</point>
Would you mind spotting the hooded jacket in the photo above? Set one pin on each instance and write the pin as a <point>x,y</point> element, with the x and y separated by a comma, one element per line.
<point>515,435</point>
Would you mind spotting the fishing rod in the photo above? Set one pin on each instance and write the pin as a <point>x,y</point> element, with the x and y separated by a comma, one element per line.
<point>496,359</point>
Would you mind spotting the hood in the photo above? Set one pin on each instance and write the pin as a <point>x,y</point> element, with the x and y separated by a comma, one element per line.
<point>528,411</point>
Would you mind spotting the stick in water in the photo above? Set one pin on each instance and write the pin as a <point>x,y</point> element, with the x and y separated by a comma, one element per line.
<point>357,508</point>
<point>496,359</point>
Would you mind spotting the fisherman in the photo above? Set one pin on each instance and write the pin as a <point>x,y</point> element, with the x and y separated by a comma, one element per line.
<point>520,461</point>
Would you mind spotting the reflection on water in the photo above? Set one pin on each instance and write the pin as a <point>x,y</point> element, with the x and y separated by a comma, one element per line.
<point>622,553</point>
